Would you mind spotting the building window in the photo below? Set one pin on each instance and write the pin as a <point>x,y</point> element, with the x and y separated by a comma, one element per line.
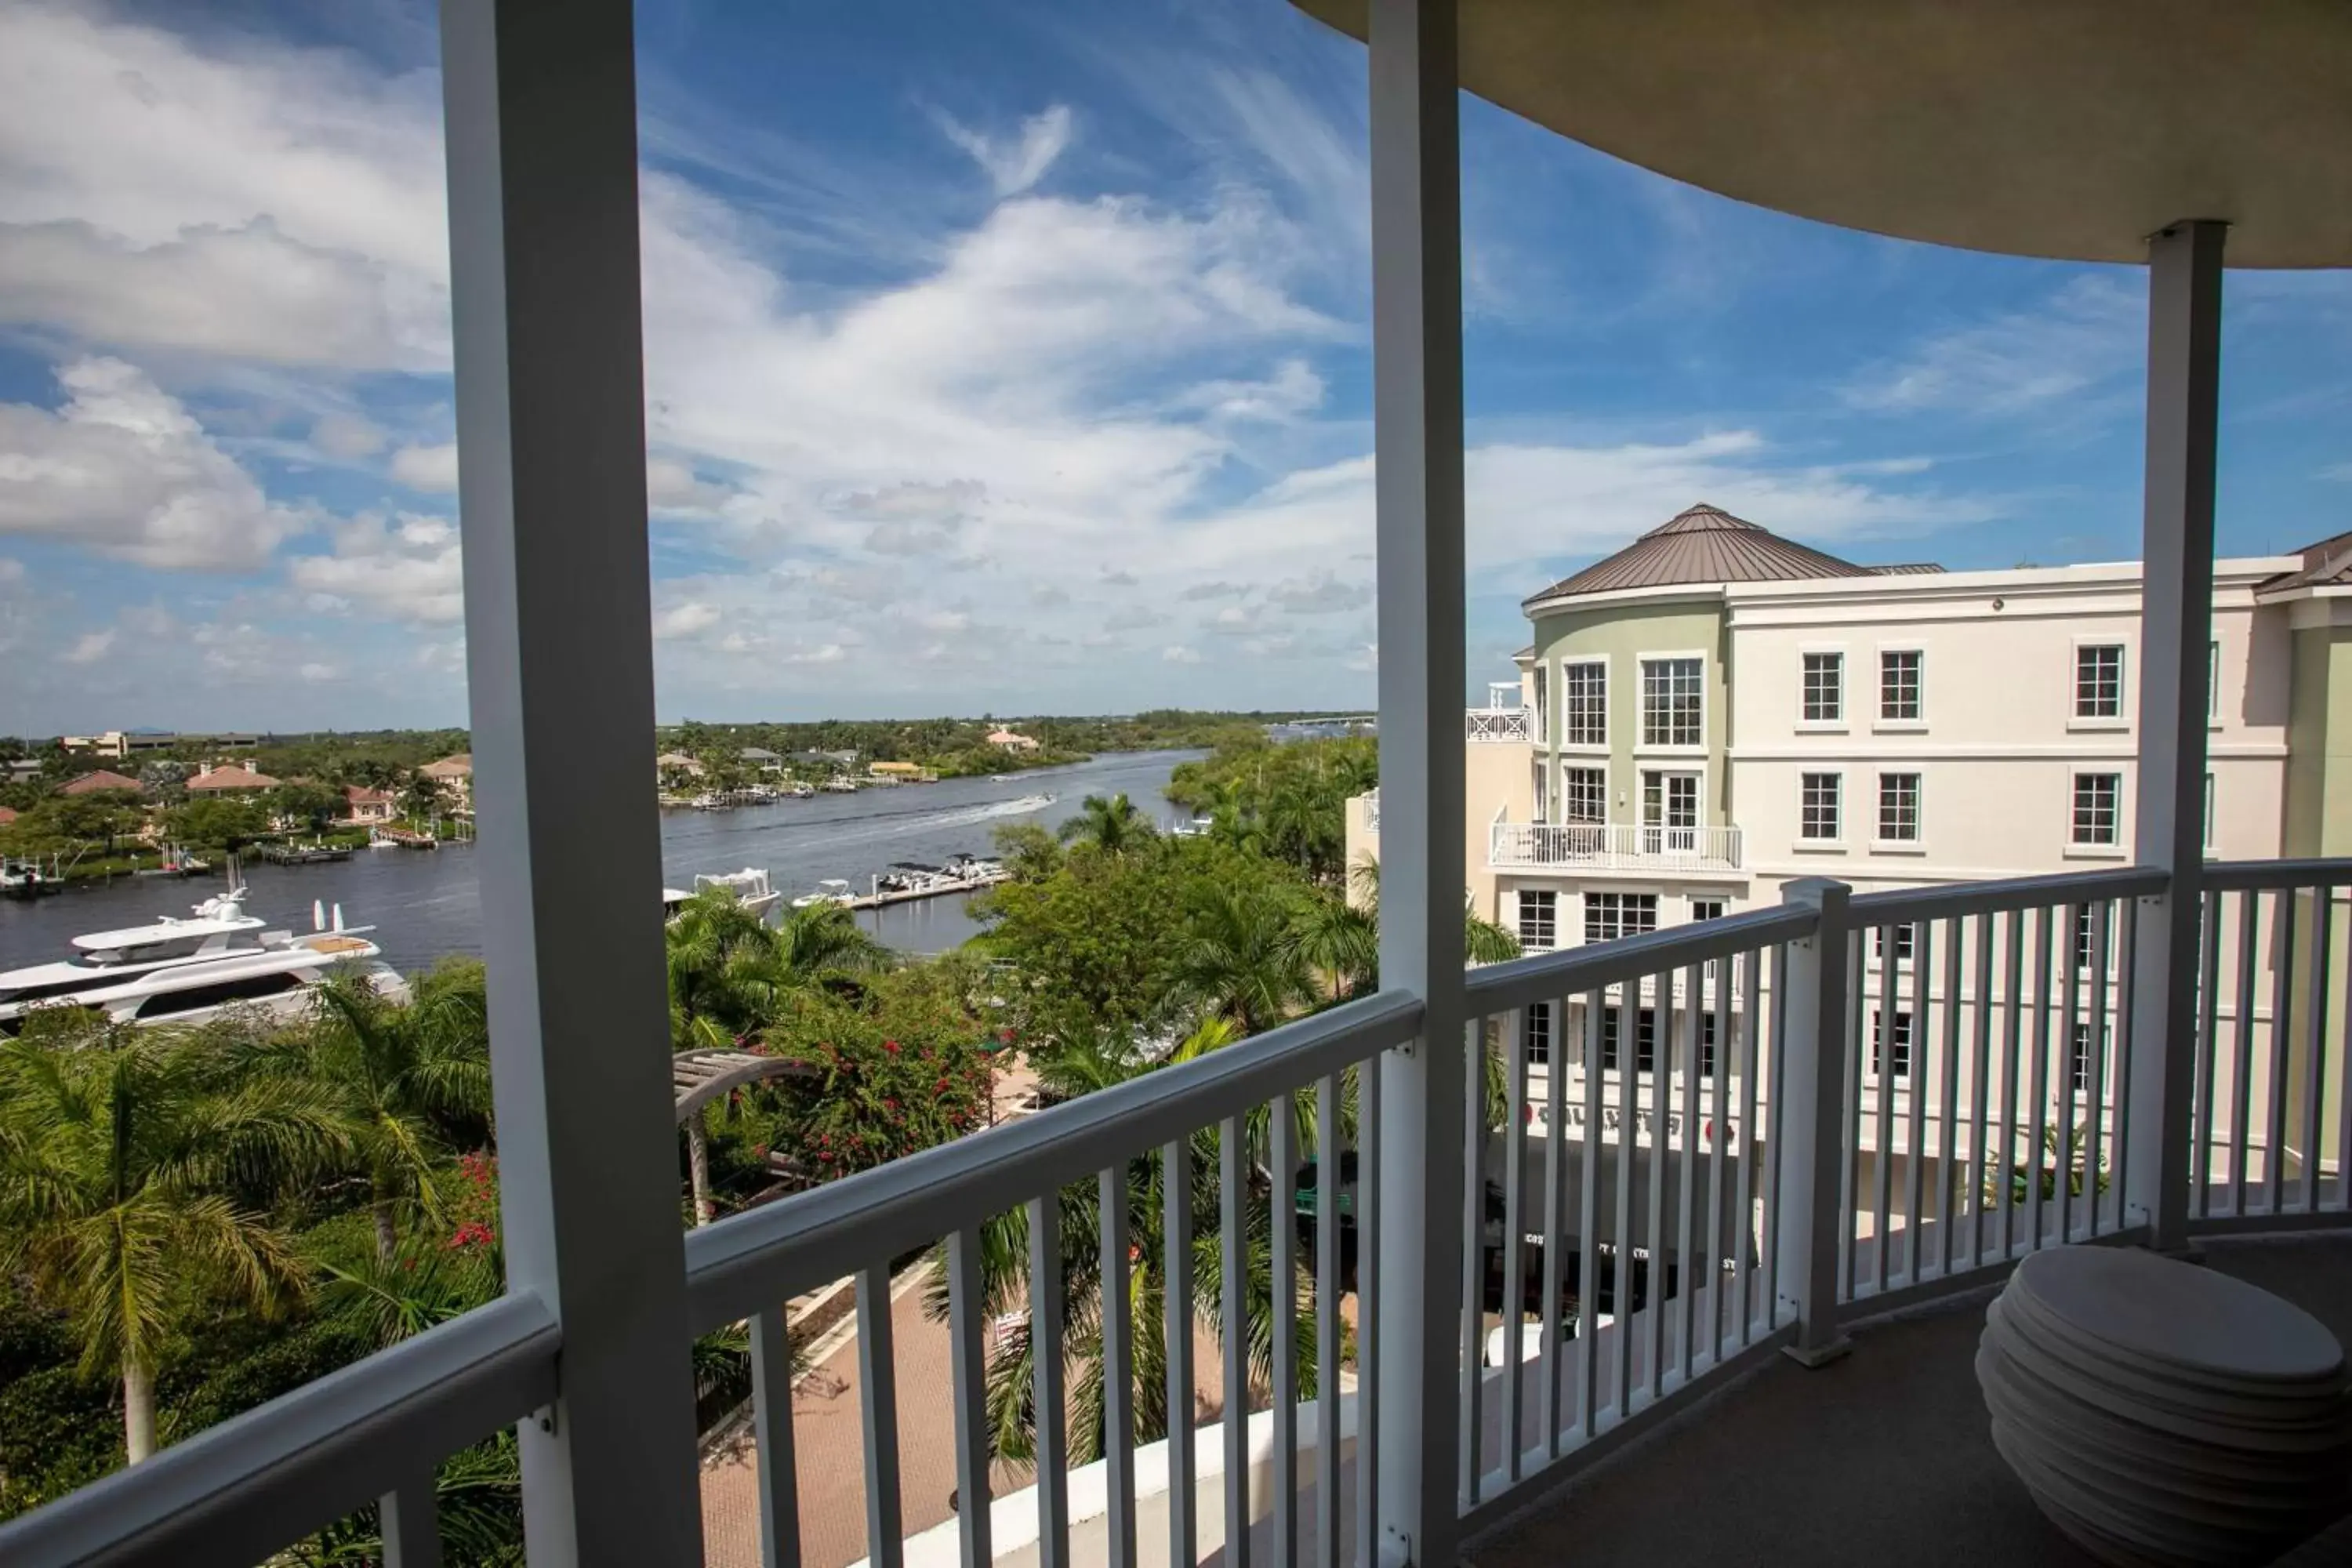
<point>1898,808</point>
<point>2078,1060</point>
<point>1543,707</point>
<point>1705,909</point>
<point>1706,1045</point>
<point>1905,936</point>
<point>1645,1038</point>
<point>1817,817</point>
<point>2098,799</point>
<point>1672,712</point>
<point>1535,1034</point>
<point>1898,683</point>
<point>2213,680</point>
<point>1538,920</point>
<point>2099,681</point>
<point>1584,695</point>
<point>1890,1043</point>
<point>1608,916</point>
<point>1824,687</point>
<point>2086,927</point>
<point>1583,794</point>
<point>2209,812</point>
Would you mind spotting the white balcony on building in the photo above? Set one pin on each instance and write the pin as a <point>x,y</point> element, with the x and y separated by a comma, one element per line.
<point>1571,846</point>
<point>2204,1086</point>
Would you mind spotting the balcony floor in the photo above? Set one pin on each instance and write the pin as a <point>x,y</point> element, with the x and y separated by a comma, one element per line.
<point>1884,1456</point>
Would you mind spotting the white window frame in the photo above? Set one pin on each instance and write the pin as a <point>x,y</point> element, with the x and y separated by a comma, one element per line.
<point>1879,721</point>
<point>2213,685</point>
<point>1539,680</point>
<point>1568,745</point>
<point>1905,944</point>
<point>1802,841</point>
<point>2212,846</point>
<point>1837,726</point>
<point>1519,906</point>
<point>1722,909</point>
<point>1642,745</point>
<point>1580,763</point>
<point>2075,718</point>
<point>1665,762</point>
<point>2122,845</point>
<point>1917,843</point>
<point>1584,910</point>
<point>1882,1050</point>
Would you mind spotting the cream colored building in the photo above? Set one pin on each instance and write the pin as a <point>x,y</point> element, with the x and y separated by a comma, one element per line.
<point>1716,711</point>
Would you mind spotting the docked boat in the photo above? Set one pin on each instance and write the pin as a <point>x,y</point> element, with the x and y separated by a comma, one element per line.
<point>909,876</point>
<point>184,971</point>
<point>23,880</point>
<point>749,887</point>
<point>830,891</point>
<point>841,786</point>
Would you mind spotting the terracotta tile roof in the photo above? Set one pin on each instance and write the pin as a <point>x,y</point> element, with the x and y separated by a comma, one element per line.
<point>2327,564</point>
<point>231,777</point>
<point>7,814</point>
<point>460,766</point>
<point>90,783</point>
<point>1703,544</point>
<point>359,794</point>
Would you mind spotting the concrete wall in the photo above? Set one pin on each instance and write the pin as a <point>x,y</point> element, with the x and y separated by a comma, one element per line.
<point>1621,632</point>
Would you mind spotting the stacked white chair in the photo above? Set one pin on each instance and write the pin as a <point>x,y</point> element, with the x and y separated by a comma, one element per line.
<point>2164,1413</point>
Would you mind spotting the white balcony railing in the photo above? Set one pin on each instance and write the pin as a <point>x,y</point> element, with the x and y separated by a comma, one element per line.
<point>1373,812</point>
<point>1720,1192</point>
<point>1497,724</point>
<point>1605,847</point>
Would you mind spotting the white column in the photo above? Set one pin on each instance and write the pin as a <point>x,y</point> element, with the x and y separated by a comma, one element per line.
<point>2184,362</point>
<point>1417,427</point>
<point>541,105</point>
<point>1816,1139</point>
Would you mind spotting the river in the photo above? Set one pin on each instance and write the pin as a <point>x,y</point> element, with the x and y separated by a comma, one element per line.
<point>426,905</point>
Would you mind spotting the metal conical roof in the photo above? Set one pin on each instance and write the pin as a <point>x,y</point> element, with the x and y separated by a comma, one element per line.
<point>1703,544</point>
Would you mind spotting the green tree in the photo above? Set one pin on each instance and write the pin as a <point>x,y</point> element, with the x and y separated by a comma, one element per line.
<point>123,1157</point>
<point>403,1077</point>
<point>421,797</point>
<point>306,804</point>
<point>1112,826</point>
<point>220,823</point>
<point>1338,939</point>
<point>1238,958</point>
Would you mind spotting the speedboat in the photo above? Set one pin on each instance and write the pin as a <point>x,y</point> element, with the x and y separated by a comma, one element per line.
<point>274,978</point>
<point>909,876</point>
<point>749,887</point>
<point>974,868</point>
<point>830,891</point>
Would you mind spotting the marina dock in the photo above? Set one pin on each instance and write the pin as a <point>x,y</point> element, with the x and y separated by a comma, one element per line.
<point>946,887</point>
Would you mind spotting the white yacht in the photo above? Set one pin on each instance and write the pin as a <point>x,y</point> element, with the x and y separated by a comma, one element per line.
<point>114,957</point>
<point>274,975</point>
<point>830,891</point>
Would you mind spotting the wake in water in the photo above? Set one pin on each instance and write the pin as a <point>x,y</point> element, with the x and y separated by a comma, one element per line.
<point>899,824</point>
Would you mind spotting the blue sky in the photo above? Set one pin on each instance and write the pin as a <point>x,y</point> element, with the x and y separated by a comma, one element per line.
<point>1002,357</point>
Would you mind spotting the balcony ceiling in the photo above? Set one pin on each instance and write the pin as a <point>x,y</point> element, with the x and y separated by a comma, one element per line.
<point>2069,128</point>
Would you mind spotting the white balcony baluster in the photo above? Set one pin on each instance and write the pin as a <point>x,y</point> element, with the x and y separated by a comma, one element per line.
<point>1608,845</point>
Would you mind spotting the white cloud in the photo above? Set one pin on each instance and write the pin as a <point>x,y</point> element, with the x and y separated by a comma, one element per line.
<point>123,468</point>
<point>1294,389</point>
<point>346,435</point>
<point>1118,578</point>
<point>1321,594</point>
<point>824,653</point>
<point>256,200</point>
<point>2091,331</point>
<point>90,647</point>
<point>429,468</point>
<point>689,619</point>
<point>1014,164</point>
<point>1176,653</point>
<point>1046,595</point>
<point>316,671</point>
<point>411,570</point>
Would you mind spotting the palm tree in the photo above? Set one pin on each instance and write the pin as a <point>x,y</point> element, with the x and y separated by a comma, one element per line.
<point>721,959</point>
<point>1236,959</point>
<point>728,968</point>
<point>1078,1066</point>
<point>420,797</point>
<point>399,1075</point>
<point>121,1155</point>
<point>1339,939</point>
<point>1113,826</point>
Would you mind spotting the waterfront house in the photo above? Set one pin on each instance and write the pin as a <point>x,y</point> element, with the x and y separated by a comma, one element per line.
<point>1677,1337</point>
<point>905,773</point>
<point>230,779</point>
<point>678,762</point>
<point>1009,740</point>
<point>20,770</point>
<point>759,757</point>
<point>100,782</point>
<point>364,805</point>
